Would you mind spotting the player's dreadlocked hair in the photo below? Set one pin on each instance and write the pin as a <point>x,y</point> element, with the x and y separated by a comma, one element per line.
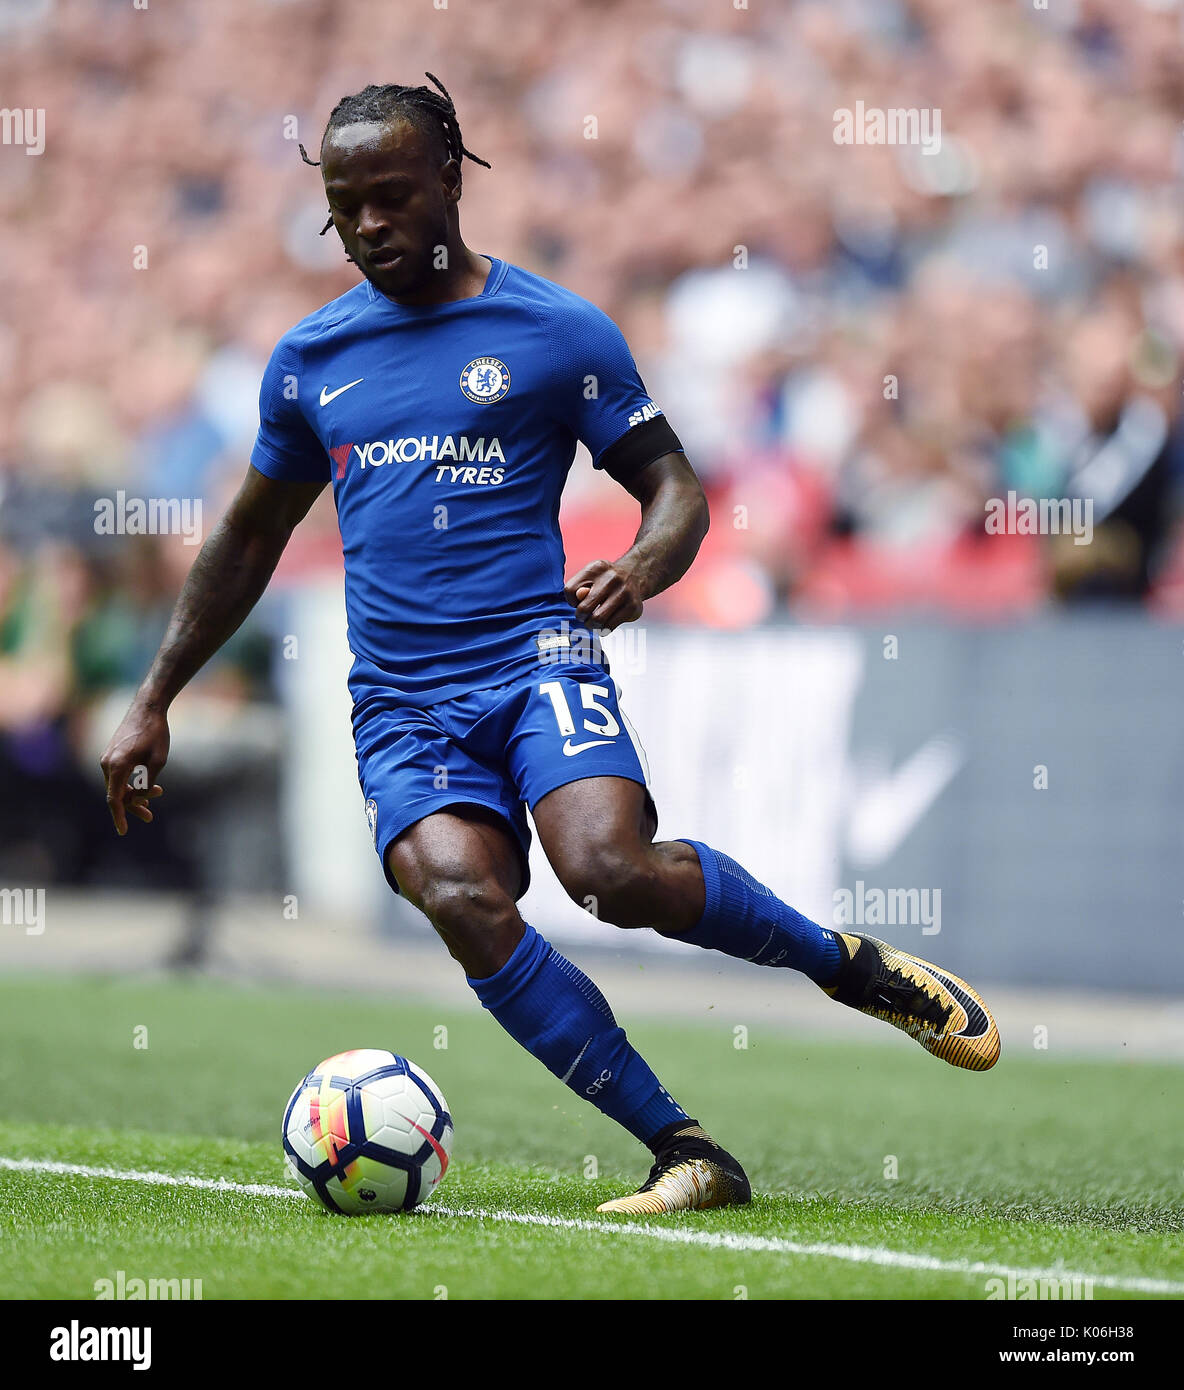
<point>428,111</point>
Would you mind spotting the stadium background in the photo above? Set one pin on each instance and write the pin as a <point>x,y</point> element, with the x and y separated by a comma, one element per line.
<point>856,684</point>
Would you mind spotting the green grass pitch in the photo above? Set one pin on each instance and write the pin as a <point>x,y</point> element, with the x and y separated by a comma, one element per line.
<point>1044,1163</point>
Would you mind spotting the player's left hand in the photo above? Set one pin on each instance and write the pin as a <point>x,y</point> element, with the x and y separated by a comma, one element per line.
<point>605,595</point>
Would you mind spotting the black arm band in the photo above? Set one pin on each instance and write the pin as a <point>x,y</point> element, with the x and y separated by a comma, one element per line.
<point>639,445</point>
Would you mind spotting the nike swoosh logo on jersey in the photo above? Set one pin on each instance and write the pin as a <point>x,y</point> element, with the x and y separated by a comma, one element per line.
<point>976,1019</point>
<point>327,395</point>
<point>570,749</point>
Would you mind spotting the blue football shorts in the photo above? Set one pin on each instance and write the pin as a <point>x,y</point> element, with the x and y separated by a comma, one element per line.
<point>503,748</point>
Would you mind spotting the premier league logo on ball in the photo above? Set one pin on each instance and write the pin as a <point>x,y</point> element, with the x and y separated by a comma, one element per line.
<point>485,380</point>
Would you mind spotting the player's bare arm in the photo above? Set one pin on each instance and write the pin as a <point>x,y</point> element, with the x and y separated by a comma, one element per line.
<point>674,521</point>
<point>230,573</point>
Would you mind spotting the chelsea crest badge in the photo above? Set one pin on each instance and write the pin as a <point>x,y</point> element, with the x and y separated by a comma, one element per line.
<point>485,380</point>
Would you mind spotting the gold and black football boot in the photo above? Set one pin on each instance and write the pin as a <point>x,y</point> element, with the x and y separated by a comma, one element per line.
<point>939,1010</point>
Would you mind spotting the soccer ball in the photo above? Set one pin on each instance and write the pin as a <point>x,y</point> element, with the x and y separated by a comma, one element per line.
<point>368,1131</point>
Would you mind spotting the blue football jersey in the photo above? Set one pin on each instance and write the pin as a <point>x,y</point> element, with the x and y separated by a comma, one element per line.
<point>447,432</point>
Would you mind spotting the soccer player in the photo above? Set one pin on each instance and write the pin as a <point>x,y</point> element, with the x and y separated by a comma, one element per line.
<point>441,398</point>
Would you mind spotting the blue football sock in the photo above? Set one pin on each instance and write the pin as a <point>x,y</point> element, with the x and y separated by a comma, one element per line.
<point>555,1011</point>
<point>742,918</point>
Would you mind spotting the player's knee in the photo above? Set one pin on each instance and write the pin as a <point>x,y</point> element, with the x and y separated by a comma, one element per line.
<point>475,918</point>
<point>459,905</point>
<point>616,884</point>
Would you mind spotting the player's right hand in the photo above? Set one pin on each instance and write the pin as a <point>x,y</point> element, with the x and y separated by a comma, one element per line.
<point>138,750</point>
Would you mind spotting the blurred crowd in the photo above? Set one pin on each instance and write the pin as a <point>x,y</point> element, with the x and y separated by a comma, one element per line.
<point>860,344</point>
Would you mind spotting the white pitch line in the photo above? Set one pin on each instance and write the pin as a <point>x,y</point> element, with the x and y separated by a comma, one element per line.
<point>673,1235</point>
<point>83,1170</point>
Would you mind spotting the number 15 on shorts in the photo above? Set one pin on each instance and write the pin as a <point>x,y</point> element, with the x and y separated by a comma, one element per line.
<point>597,718</point>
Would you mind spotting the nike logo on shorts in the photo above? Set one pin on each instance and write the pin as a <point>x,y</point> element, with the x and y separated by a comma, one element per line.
<point>570,749</point>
